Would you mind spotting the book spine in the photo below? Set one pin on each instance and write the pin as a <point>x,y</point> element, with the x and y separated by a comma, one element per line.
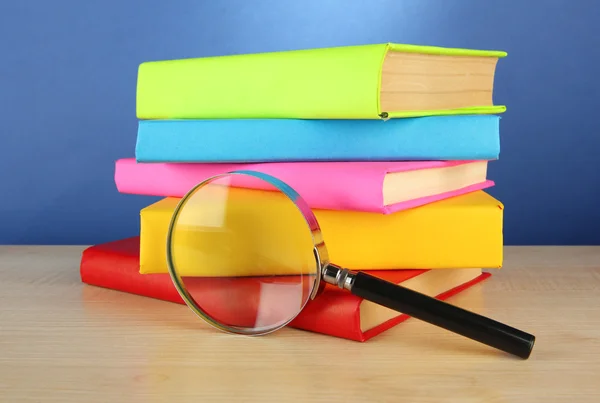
<point>330,186</point>
<point>335,83</point>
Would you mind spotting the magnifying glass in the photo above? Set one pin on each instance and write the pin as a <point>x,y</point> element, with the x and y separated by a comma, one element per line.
<point>246,254</point>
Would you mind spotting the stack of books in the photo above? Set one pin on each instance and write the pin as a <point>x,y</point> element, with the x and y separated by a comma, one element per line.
<point>389,144</point>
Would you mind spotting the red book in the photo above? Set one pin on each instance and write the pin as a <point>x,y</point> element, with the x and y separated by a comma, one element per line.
<point>336,312</point>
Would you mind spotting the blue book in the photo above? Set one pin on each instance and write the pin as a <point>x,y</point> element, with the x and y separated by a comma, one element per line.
<point>465,137</point>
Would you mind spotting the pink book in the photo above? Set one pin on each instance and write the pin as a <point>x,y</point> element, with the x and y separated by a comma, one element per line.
<point>379,187</point>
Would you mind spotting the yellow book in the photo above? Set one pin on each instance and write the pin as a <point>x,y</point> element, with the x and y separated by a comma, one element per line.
<point>459,232</point>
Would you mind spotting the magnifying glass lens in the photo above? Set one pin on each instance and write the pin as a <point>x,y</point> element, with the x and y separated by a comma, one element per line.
<point>242,257</point>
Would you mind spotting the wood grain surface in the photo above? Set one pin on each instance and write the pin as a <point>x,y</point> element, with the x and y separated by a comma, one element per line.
<point>63,341</point>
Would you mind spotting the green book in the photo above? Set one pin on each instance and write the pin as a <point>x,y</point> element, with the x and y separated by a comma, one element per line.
<point>376,81</point>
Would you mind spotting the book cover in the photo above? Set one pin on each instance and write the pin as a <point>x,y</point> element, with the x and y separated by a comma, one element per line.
<point>460,232</point>
<point>115,265</point>
<point>465,137</point>
<point>373,81</point>
<point>379,187</point>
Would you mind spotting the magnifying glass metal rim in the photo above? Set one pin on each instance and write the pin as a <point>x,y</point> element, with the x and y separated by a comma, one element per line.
<point>320,251</point>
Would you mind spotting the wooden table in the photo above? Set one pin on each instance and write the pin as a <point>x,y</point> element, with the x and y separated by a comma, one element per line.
<point>63,341</point>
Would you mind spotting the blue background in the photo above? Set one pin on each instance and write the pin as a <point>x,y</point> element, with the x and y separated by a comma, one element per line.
<point>67,98</point>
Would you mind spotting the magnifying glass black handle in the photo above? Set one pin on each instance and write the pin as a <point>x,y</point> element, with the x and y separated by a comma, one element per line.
<point>439,313</point>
